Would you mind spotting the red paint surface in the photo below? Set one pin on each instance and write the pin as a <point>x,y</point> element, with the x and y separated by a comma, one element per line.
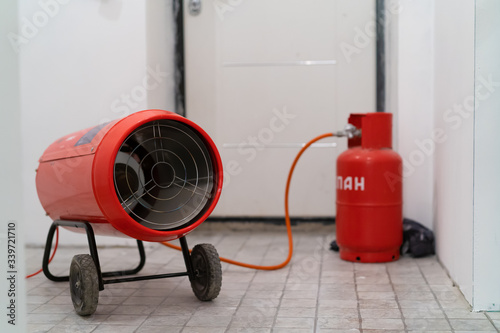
<point>76,182</point>
<point>369,221</point>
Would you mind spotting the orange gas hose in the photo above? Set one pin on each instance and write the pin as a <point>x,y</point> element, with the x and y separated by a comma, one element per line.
<point>51,257</point>
<point>287,217</point>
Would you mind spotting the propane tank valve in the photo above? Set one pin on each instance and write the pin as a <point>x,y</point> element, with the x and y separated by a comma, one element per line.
<point>350,131</point>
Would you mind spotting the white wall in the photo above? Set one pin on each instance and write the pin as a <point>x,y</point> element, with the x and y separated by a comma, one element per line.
<point>160,44</point>
<point>10,125</point>
<point>82,63</point>
<point>487,157</point>
<point>433,70</point>
<point>453,165</point>
<point>410,93</point>
<point>444,94</point>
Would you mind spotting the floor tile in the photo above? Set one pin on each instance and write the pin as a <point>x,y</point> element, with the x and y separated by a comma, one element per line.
<point>75,319</point>
<point>214,311</point>
<point>390,331</point>
<point>380,313</point>
<point>203,329</point>
<point>209,321</point>
<point>166,321</point>
<point>53,308</point>
<point>159,329</point>
<point>173,310</point>
<point>256,312</point>
<point>248,330</point>
<point>265,287</point>
<point>130,320</point>
<point>338,323</point>
<point>329,312</point>
<point>114,329</point>
<point>44,318</point>
<point>143,300</point>
<point>264,302</point>
<point>410,287</point>
<point>417,304</point>
<point>134,310</point>
<point>301,286</point>
<point>416,324</point>
<point>301,294</point>
<point>291,330</point>
<point>423,313</point>
<point>376,304</point>
<point>64,300</point>
<point>37,299</point>
<point>340,294</point>
<point>415,295</point>
<point>111,300</point>
<point>45,291</point>
<point>340,303</point>
<point>382,324</point>
<point>317,293</point>
<point>297,312</point>
<point>464,314</point>
<point>471,325</point>
<point>105,309</point>
<point>460,303</point>
<point>72,329</point>
<point>38,328</point>
<point>493,315</point>
<point>374,287</point>
<point>248,322</point>
<point>292,322</point>
<point>377,295</point>
<point>333,330</point>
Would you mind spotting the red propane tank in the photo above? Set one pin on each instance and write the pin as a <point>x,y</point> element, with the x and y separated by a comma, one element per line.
<point>369,193</point>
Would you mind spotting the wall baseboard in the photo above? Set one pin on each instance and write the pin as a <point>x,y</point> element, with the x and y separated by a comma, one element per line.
<point>327,220</point>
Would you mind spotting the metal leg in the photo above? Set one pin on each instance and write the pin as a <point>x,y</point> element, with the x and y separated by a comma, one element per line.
<point>93,251</point>
<point>187,257</point>
<point>46,256</point>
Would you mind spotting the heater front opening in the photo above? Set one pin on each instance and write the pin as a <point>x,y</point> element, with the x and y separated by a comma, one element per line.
<point>164,175</point>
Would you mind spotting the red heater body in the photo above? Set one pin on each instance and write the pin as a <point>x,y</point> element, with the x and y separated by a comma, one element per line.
<point>152,176</point>
<point>369,193</point>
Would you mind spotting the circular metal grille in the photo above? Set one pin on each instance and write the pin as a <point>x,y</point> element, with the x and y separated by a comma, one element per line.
<point>163,175</point>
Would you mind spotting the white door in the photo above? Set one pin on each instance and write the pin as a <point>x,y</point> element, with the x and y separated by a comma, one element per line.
<point>265,75</point>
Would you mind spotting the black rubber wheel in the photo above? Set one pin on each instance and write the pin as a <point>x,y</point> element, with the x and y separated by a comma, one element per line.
<point>83,284</point>
<point>207,272</point>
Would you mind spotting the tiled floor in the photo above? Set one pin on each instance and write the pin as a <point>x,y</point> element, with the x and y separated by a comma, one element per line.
<point>317,292</point>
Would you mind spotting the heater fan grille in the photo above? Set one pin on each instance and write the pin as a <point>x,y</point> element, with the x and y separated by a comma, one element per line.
<point>164,175</point>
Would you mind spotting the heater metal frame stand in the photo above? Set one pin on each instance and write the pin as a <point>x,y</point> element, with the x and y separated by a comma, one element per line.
<point>86,278</point>
<point>94,254</point>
